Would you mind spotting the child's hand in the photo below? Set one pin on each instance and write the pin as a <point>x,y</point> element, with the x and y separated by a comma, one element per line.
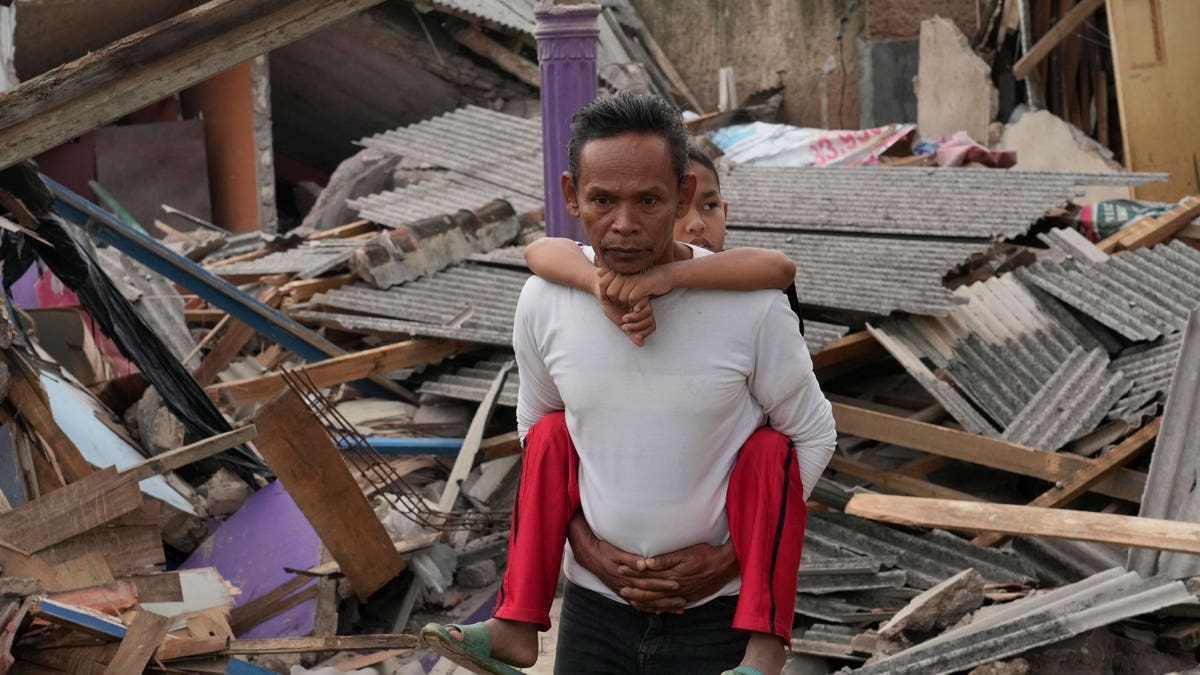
<point>630,290</point>
<point>637,322</point>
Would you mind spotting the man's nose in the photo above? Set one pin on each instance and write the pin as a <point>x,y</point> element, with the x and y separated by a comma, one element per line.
<point>625,221</point>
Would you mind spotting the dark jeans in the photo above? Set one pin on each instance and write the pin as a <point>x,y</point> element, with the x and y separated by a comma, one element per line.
<point>598,635</point>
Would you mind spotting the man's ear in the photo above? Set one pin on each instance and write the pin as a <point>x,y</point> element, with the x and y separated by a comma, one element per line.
<point>687,190</point>
<point>569,195</point>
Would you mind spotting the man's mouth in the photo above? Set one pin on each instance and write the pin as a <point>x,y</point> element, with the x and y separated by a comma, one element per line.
<point>702,243</point>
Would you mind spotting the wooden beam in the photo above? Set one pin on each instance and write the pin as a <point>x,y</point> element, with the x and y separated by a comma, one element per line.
<point>1150,231</point>
<point>300,452</point>
<point>339,369</point>
<point>507,60</point>
<point>852,347</point>
<point>1081,481</point>
<point>1163,535</point>
<point>303,289</point>
<point>402,547</point>
<point>231,343</point>
<point>179,457</point>
<point>1057,33</point>
<point>27,395</point>
<point>71,510</point>
<point>895,482</point>
<point>501,446</point>
<point>145,633</point>
<point>153,64</point>
<point>320,644</point>
<point>982,450</point>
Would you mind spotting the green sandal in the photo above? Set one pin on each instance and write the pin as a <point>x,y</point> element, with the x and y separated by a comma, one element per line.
<point>473,651</point>
<point>743,670</point>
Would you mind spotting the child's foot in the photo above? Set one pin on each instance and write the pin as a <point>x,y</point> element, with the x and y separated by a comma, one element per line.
<point>513,642</point>
<point>765,653</point>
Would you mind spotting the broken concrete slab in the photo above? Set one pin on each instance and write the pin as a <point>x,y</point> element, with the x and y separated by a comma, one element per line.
<point>954,86</point>
<point>938,607</point>
<point>367,172</point>
<point>1046,142</point>
<point>225,492</point>
<point>154,425</point>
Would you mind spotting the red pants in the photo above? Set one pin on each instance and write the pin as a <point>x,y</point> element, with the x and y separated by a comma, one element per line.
<point>764,504</point>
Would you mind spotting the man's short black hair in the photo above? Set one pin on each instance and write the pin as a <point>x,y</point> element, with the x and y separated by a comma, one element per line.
<point>698,156</point>
<point>629,112</point>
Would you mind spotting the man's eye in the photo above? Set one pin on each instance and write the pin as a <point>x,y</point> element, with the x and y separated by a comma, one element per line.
<point>650,201</point>
<point>602,201</point>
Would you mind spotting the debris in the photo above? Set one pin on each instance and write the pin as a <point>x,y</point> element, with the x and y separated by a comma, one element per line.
<point>954,86</point>
<point>938,607</point>
<point>1043,141</point>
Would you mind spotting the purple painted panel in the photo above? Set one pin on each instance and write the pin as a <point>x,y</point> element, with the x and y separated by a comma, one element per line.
<point>23,293</point>
<point>251,549</point>
<point>567,37</point>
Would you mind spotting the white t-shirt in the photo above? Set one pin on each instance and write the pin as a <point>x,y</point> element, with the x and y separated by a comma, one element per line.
<point>658,427</point>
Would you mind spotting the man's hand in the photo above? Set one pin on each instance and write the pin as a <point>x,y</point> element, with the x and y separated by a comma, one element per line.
<point>664,583</point>
<point>636,321</point>
<point>605,560</point>
<point>696,572</point>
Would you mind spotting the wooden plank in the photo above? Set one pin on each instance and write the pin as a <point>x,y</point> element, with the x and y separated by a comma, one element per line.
<point>71,510</point>
<point>1081,481</point>
<point>1150,231</point>
<point>405,546</point>
<point>1165,535</point>
<point>87,570</point>
<point>895,482</point>
<point>300,452</point>
<point>471,442</point>
<point>346,231</point>
<point>130,542</point>
<point>157,587</point>
<point>1155,59</point>
<point>231,343</point>
<point>21,586</point>
<point>114,597</point>
<point>180,457</point>
<point>853,347</point>
<point>146,632</point>
<point>337,643</point>
<point>1059,32</point>
<point>244,621</point>
<point>303,289</point>
<point>510,62</point>
<point>501,446</point>
<point>153,64</point>
<point>17,563</point>
<point>982,450</point>
<point>923,466</point>
<point>345,368</point>
<point>29,398</point>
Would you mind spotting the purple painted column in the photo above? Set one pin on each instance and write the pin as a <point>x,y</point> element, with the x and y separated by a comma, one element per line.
<point>567,36</point>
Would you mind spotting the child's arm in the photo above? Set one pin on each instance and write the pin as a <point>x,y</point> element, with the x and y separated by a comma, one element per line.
<point>559,260</point>
<point>739,269</point>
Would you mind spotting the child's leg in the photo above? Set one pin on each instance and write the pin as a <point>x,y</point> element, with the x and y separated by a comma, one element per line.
<point>767,515</point>
<point>547,499</point>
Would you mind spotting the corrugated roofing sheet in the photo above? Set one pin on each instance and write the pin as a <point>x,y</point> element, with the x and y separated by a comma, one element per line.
<point>1036,621</point>
<point>514,14</point>
<point>307,262</point>
<point>829,640</point>
<point>929,201</point>
<point>1171,486</point>
<point>435,197</point>
<point>1150,368</point>
<point>1071,403</point>
<point>1140,294</point>
<point>927,559</point>
<point>877,275</point>
<point>839,610</point>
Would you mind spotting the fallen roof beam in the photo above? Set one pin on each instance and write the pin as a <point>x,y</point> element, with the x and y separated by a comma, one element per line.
<point>153,64</point>
<point>1081,481</point>
<point>983,450</point>
<point>343,368</point>
<point>1059,32</point>
<point>216,291</point>
<point>1153,230</point>
<point>1030,521</point>
<point>180,457</point>
<point>888,479</point>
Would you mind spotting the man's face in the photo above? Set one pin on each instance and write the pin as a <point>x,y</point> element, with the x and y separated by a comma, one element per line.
<point>628,199</point>
<point>704,223</point>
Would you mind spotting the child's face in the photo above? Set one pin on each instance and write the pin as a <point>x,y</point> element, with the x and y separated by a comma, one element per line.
<point>704,223</point>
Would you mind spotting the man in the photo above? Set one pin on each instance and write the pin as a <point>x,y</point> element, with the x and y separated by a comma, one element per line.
<point>658,428</point>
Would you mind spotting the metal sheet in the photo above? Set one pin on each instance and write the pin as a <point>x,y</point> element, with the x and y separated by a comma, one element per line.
<point>437,196</point>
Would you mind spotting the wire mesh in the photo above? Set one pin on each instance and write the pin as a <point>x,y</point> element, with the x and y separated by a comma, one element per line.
<point>384,481</point>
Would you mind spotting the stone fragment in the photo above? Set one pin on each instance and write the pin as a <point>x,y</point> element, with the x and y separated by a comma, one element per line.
<point>938,607</point>
<point>478,574</point>
<point>1009,667</point>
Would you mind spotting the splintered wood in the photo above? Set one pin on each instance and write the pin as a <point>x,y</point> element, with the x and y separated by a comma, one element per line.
<point>301,454</point>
